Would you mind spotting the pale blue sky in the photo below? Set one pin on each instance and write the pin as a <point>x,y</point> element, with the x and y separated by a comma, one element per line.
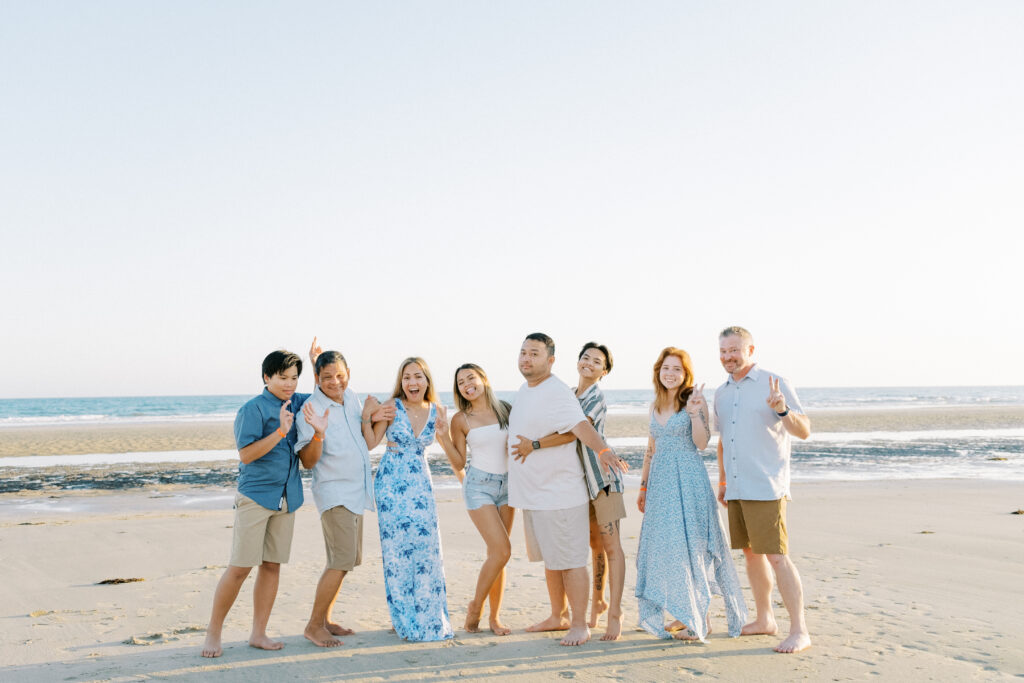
<point>185,186</point>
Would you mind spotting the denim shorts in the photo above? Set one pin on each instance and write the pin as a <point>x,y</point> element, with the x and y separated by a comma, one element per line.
<point>483,488</point>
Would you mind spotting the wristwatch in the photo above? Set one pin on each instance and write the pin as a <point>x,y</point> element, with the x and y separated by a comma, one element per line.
<point>783,414</point>
<point>536,445</point>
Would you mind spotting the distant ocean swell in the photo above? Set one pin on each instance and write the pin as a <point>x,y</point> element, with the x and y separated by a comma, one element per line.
<point>147,409</point>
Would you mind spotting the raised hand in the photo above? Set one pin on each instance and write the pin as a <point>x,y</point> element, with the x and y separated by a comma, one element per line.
<point>696,404</point>
<point>776,401</point>
<point>317,422</point>
<point>441,423</point>
<point>286,417</point>
<point>522,449</point>
<point>314,351</point>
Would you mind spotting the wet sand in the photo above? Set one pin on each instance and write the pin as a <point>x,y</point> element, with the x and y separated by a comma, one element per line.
<point>201,436</point>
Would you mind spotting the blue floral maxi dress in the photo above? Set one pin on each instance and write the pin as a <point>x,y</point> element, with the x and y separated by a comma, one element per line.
<point>683,557</point>
<point>410,539</point>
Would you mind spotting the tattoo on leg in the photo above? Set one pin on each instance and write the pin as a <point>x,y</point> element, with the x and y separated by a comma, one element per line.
<point>599,572</point>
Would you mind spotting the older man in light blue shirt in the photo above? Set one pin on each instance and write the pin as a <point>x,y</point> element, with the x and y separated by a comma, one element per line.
<point>331,443</point>
<point>757,413</point>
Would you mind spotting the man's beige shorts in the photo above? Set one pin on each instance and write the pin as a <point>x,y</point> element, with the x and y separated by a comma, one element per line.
<point>759,525</point>
<point>607,508</point>
<point>561,538</point>
<point>343,538</point>
<point>260,535</point>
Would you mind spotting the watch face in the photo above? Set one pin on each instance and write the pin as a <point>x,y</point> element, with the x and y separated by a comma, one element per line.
<point>536,445</point>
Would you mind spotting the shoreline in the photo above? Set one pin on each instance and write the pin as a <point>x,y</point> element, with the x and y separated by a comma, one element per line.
<point>79,439</point>
<point>895,587</point>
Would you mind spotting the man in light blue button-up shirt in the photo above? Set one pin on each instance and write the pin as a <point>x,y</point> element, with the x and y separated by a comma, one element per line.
<point>331,443</point>
<point>757,413</point>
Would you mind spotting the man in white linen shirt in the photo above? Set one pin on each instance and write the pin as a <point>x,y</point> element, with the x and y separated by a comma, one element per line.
<point>549,486</point>
<point>757,412</point>
<point>331,443</point>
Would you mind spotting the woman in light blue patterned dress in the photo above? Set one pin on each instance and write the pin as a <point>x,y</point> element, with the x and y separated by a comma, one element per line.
<point>410,539</point>
<point>683,556</point>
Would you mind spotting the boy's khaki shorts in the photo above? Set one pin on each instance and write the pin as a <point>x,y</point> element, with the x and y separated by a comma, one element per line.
<point>607,508</point>
<point>343,538</point>
<point>759,525</point>
<point>260,535</point>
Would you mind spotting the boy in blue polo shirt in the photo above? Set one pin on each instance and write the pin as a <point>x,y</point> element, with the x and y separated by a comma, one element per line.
<point>269,492</point>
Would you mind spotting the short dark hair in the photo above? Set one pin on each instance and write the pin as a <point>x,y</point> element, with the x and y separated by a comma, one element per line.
<point>603,349</point>
<point>278,361</point>
<point>326,358</point>
<point>543,339</point>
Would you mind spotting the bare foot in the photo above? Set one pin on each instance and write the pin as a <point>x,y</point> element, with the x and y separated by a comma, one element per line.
<point>339,630</point>
<point>211,646</point>
<point>472,617</point>
<point>766,627</point>
<point>794,643</point>
<point>319,636</point>
<point>597,607</point>
<point>576,636</point>
<point>685,633</point>
<point>499,629</point>
<point>550,624</point>
<point>614,628</point>
<point>265,643</point>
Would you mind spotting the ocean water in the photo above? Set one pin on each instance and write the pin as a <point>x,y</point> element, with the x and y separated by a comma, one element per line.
<point>958,453</point>
<point>112,410</point>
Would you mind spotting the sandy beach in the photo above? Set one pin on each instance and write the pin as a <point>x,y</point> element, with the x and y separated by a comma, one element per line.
<point>904,580</point>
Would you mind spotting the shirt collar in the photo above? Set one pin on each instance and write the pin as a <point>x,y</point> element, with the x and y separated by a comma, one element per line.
<point>270,397</point>
<point>327,399</point>
<point>753,375</point>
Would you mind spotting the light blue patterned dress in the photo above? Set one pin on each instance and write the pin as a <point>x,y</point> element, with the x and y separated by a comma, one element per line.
<point>683,557</point>
<point>410,539</point>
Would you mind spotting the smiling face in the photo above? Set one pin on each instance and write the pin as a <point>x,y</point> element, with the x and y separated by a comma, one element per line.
<point>333,381</point>
<point>592,365</point>
<point>469,383</point>
<point>414,382</point>
<point>735,353</point>
<point>282,384</point>
<point>534,361</point>
<point>672,375</point>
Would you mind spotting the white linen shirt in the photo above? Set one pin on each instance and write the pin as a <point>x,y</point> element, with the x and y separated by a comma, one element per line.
<point>550,478</point>
<point>755,444</point>
<point>342,475</point>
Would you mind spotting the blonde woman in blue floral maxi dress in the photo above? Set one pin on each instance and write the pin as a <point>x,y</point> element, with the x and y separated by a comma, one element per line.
<point>410,538</point>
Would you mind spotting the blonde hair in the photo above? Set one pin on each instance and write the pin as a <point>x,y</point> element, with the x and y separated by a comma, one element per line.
<point>661,394</point>
<point>430,394</point>
<point>500,408</point>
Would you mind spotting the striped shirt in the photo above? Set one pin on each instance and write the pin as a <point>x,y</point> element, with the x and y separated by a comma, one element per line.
<point>594,407</point>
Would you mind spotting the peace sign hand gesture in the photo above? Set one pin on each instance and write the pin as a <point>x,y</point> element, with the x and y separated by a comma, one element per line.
<point>776,401</point>
<point>441,424</point>
<point>695,404</point>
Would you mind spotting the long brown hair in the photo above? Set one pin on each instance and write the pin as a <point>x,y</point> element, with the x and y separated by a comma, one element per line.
<point>430,394</point>
<point>500,408</point>
<point>661,394</point>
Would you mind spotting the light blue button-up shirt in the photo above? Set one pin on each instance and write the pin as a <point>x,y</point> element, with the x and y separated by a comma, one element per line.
<point>342,475</point>
<point>755,444</point>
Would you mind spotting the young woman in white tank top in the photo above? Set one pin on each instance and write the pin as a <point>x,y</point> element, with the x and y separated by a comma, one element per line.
<point>482,425</point>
